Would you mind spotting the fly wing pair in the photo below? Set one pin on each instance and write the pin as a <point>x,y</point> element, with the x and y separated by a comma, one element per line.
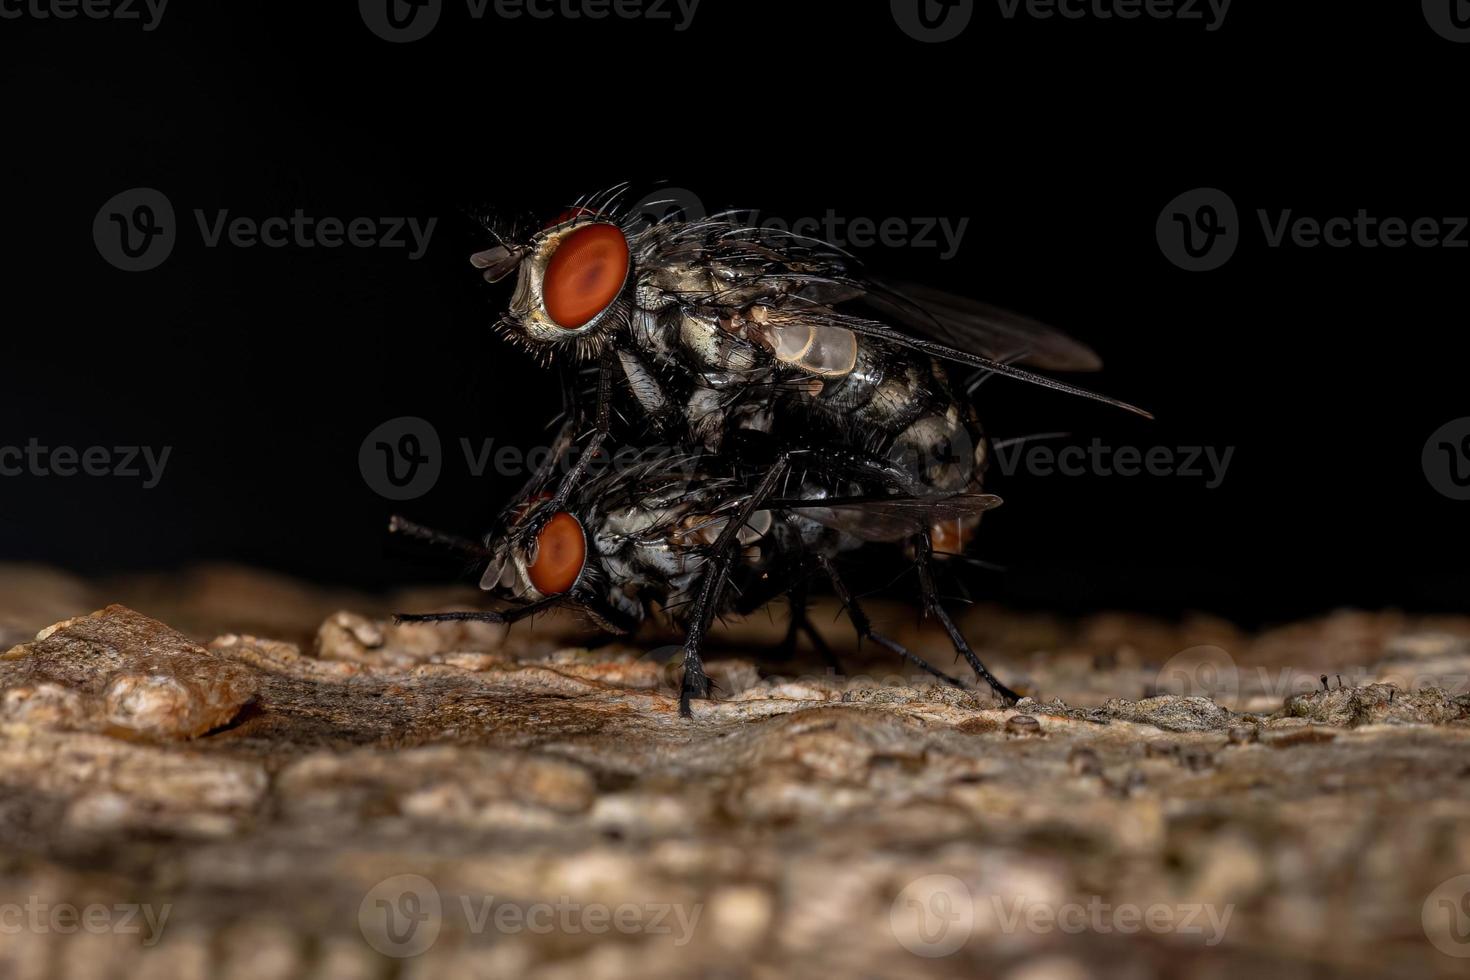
<point>890,519</point>
<point>803,289</point>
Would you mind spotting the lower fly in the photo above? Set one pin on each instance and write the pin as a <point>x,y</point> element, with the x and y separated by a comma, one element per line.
<point>699,545</point>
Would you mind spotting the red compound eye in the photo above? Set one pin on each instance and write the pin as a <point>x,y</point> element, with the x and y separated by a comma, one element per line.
<point>561,550</point>
<point>585,275</point>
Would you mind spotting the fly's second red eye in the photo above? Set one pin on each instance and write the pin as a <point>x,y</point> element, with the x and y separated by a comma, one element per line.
<point>585,275</point>
<point>561,551</point>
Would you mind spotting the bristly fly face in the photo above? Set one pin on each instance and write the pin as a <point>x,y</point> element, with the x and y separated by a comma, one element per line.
<point>550,564</point>
<point>562,565</point>
<point>623,539</point>
<point>575,284</point>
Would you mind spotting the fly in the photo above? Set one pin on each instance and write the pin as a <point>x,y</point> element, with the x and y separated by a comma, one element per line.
<point>713,328</point>
<point>669,534</point>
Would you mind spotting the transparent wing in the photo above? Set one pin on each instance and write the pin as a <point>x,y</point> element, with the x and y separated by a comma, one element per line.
<point>881,331</point>
<point>979,328</point>
<point>891,518</point>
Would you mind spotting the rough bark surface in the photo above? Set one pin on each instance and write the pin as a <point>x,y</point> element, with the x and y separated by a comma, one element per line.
<point>307,789</point>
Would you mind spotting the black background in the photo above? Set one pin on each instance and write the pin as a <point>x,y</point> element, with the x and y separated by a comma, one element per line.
<point>1061,141</point>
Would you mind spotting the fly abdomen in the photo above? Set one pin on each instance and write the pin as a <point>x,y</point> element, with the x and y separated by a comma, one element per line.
<point>943,449</point>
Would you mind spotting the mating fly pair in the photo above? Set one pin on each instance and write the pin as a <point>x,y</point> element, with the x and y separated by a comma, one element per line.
<point>723,336</point>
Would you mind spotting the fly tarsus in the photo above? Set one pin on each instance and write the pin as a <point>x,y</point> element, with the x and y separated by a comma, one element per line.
<point>924,550</point>
<point>864,627</point>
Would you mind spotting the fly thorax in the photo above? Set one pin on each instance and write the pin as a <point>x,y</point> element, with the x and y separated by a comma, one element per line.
<point>707,343</point>
<point>646,332</point>
<point>706,416</point>
<point>649,297</point>
<point>679,280</point>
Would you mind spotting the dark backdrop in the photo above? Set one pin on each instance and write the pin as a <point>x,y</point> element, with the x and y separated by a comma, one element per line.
<point>1060,140</point>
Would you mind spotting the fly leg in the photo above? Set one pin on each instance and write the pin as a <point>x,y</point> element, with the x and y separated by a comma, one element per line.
<point>925,553</point>
<point>801,622</point>
<point>509,616</point>
<point>794,588</point>
<point>531,527</point>
<point>864,626</point>
<point>696,682</point>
